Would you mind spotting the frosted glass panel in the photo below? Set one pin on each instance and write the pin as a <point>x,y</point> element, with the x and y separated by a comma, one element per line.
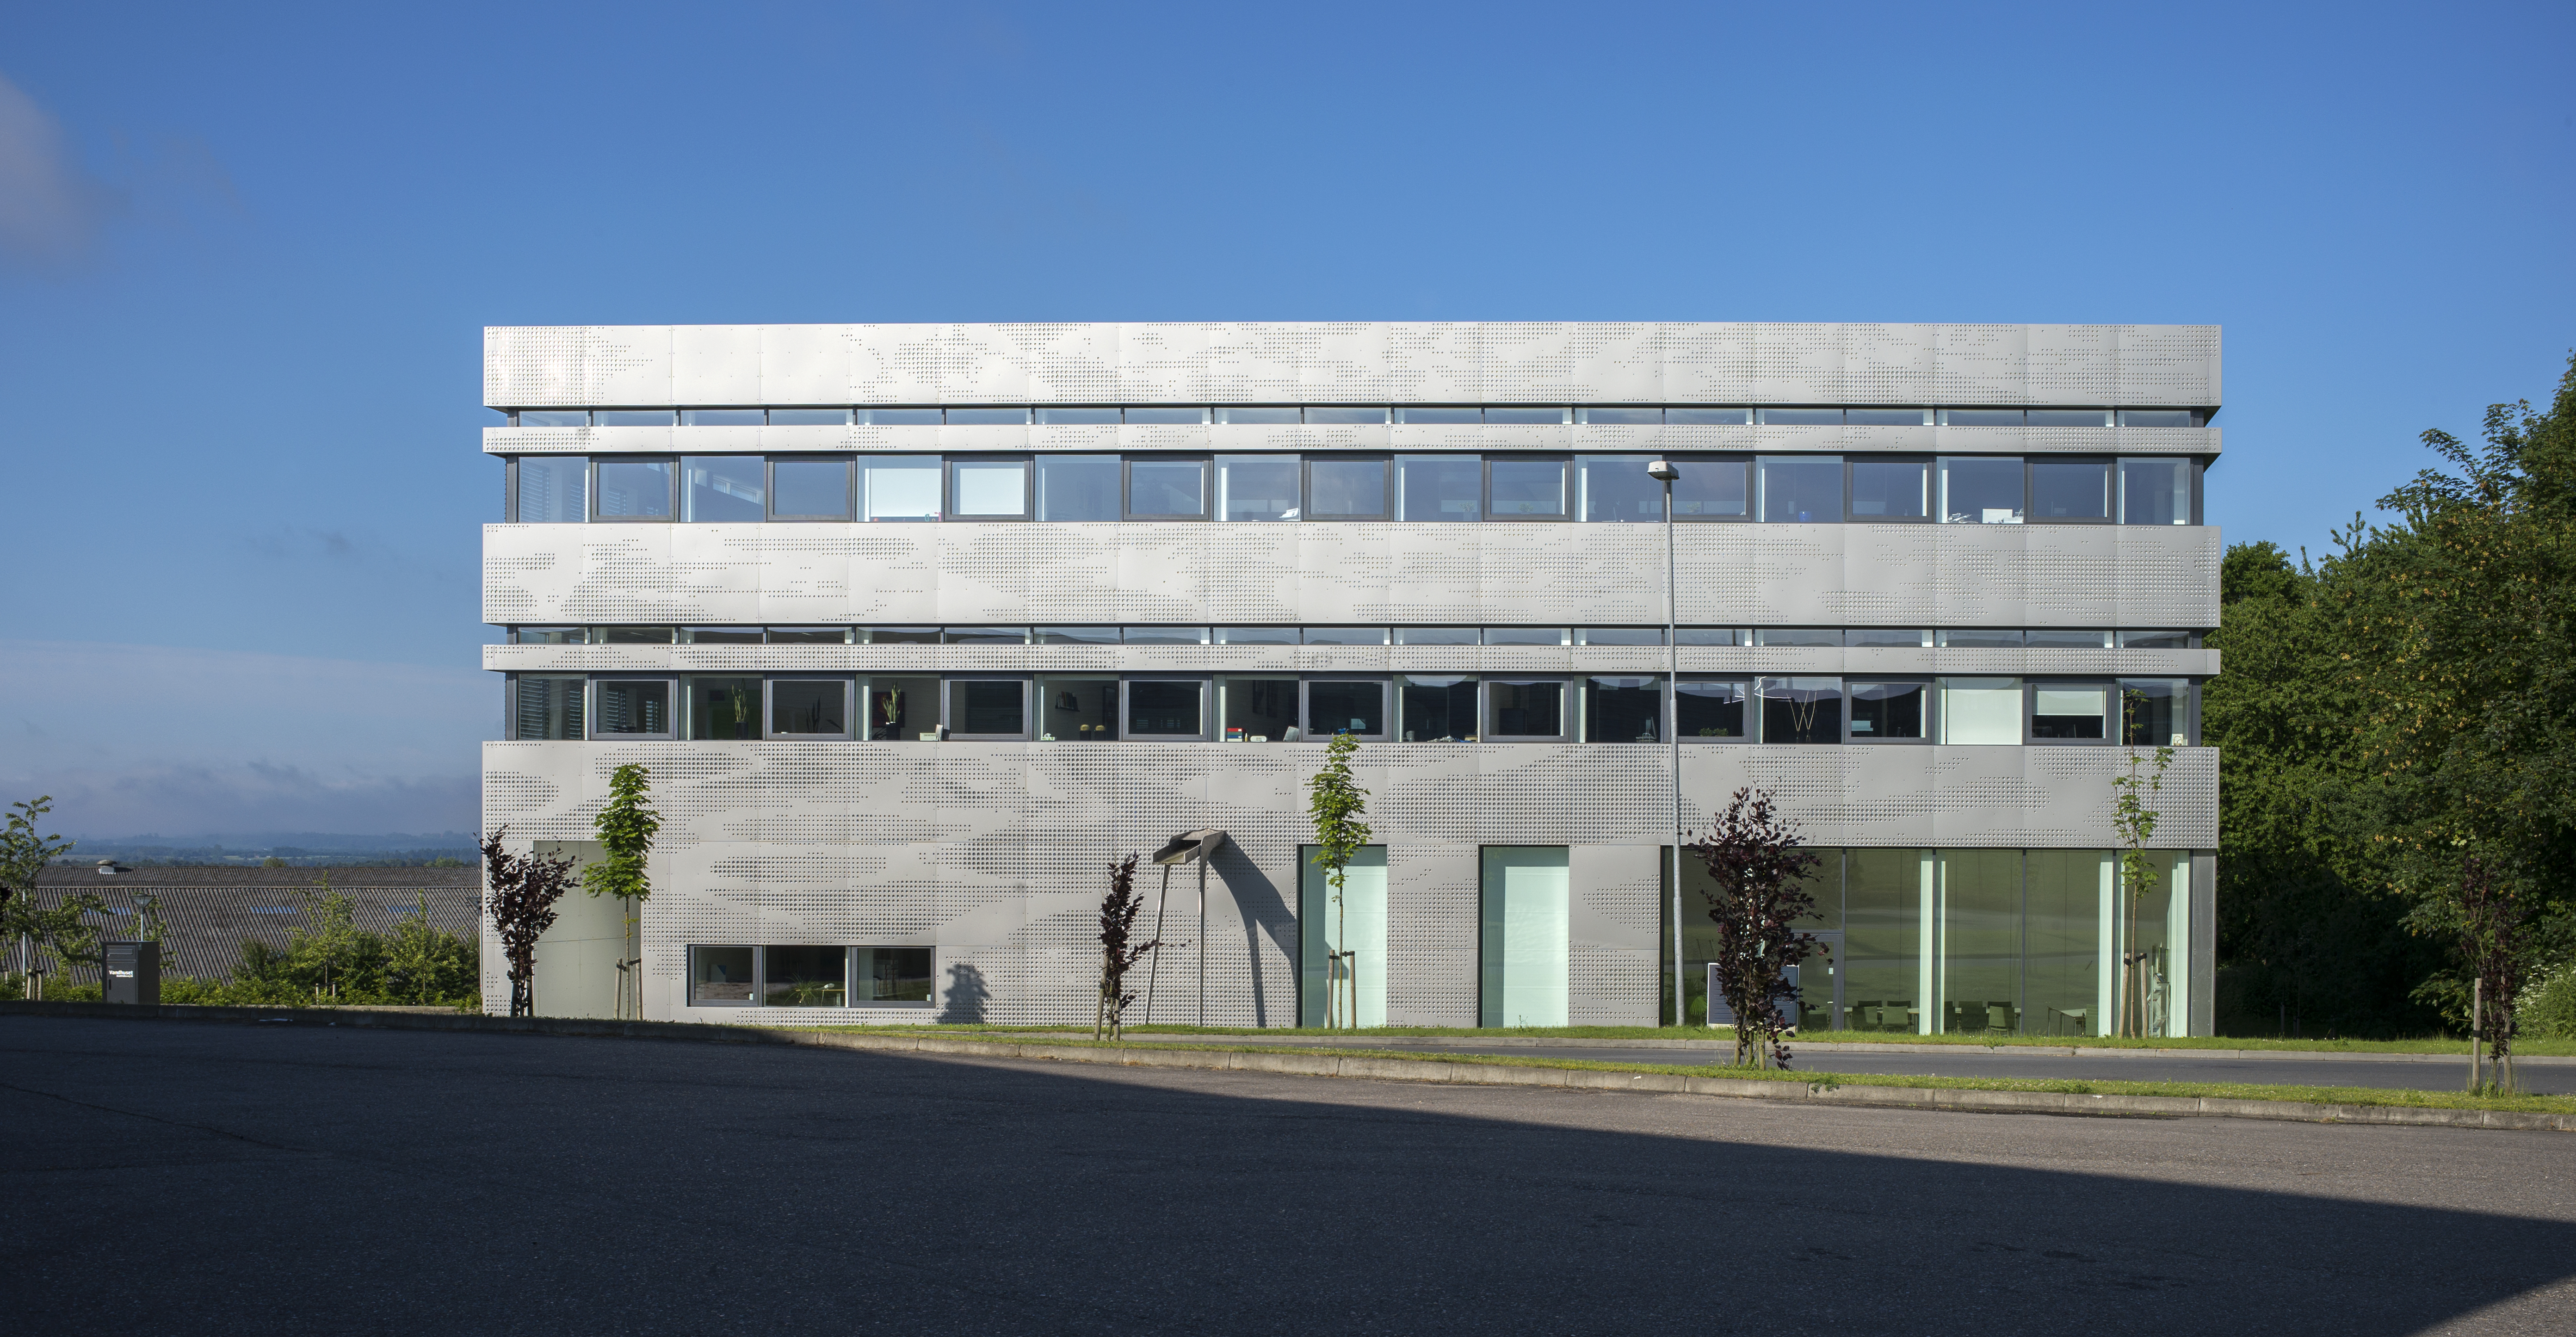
<point>992,487</point>
<point>901,487</point>
<point>1357,925</point>
<point>1528,905</point>
<point>1981,710</point>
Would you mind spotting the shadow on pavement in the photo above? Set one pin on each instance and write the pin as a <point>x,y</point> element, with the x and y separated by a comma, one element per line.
<point>218,1179</point>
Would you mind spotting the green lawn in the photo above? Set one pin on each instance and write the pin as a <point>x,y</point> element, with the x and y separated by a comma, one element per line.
<point>2327,1095</point>
<point>2460,1047</point>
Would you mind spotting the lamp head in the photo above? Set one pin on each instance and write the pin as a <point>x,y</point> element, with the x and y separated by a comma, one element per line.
<point>1662,470</point>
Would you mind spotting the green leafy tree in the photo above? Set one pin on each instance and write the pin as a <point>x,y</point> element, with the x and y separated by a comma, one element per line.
<point>427,965</point>
<point>1338,806</point>
<point>626,827</point>
<point>61,932</point>
<point>328,948</point>
<point>2135,819</point>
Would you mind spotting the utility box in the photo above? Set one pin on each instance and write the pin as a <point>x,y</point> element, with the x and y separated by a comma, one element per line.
<point>134,973</point>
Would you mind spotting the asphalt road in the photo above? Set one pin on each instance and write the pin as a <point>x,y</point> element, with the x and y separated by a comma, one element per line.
<point>2540,1078</point>
<point>214,1179</point>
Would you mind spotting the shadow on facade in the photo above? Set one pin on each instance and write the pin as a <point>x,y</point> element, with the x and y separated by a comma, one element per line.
<point>966,996</point>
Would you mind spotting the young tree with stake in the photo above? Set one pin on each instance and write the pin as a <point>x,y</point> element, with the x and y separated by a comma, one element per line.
<point>626,827</point>
<point>2136,823</point>
<point>1337,803</point>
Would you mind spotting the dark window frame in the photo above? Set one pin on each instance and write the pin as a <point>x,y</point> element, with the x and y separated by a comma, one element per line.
<point>2030,489</point>
<point>1931,488</point>
<point>948,463</point>
<point>1384,459</point>
<point>948,724</point>
<point>1931,725</point>
<point>1568,710</point>
<point>1387,705</point>
<point>1660,682</point>
<point>670,706</point>
<point>769,708</point>
<point>1205,459</point>
<point>670,502</point>
<point>1752,706</point>
<point>2030,689</point>
<point>849,463</point>
<point>1566,488</point>
<point>1206,683</point>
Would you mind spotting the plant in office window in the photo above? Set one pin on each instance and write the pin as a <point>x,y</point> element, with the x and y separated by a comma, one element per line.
<point>626,826</point>
<point>1337,804</point>
<point>1119,952</point>
<point>2136,823</point>
<point>519,901</point>
<point>1759,868</point>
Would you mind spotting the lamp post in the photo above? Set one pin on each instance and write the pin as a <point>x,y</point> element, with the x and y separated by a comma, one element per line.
<point>1663,472</point>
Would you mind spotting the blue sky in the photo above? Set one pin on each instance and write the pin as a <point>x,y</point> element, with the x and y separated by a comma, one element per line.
<point>246,255</point>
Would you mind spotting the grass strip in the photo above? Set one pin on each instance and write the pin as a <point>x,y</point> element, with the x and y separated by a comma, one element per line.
<point>2309,1095</point>
<point>1723,1034</point>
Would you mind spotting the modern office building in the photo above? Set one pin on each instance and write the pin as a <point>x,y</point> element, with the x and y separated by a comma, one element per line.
<point>919,627</point>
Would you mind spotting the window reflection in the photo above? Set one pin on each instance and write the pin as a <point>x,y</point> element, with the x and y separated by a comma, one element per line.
<point>1437,709</point>
<point>1623,709</point>
<point>1257,487</point>
<point>1439,487</point>
<point>1166,489</point>
<point>1077,710</point>
<point>1345,707</point>
<point>1346,487</point>
<point>1077,487</point>
<point>1527,488</point>
<point>1801,489</point>
<point>1802,710</point>
<point>1165,709</point>
<point>1711,708</point>
<point>1525,708</point>
<point>1981,489</point>
<point>723,488</point>
<point>1257,710</point>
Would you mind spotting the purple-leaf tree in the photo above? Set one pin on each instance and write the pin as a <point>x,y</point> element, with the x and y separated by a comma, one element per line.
<point>520,895</point>
<point>1119,952</point>
<point>1760,870</point>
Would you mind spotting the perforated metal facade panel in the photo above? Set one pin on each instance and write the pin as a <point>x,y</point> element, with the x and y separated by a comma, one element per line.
<point>996,852</point>
<point>1397,362</point>
<point>1607,575</point>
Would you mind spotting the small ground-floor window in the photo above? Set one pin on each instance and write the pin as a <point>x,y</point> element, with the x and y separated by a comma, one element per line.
<point>808,975</point>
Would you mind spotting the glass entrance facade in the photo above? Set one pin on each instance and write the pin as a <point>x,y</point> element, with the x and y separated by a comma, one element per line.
<point>1976,942</point>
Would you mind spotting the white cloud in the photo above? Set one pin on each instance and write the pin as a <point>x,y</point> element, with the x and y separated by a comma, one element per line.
<point>134,738</point>
<point>50,210</point>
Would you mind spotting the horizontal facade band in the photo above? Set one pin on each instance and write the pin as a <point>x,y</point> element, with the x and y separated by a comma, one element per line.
<point>1579,437</point>
<point>775,659</point>
<point>975,809</point>
<point>1354,362</point>
<point>1352,574</point>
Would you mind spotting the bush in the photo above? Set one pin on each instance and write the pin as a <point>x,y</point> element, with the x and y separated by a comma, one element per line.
<point>2547,1010</point>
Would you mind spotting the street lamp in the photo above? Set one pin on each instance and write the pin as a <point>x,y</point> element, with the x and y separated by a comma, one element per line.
<point>1662,471</point>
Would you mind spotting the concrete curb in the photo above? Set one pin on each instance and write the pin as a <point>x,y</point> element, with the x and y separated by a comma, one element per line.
<point>1365,1066</point>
